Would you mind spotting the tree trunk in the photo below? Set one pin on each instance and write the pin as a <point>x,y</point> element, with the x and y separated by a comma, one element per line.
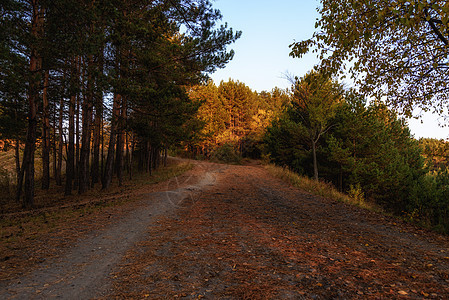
<point>109,167</point>
<point>17,156</point>
<point>130,158</point>
<point>340,179</point>
<point>27,168</point>
<point>102,148</point>
<point>53,146</point>
<point>120,141</point>
<point>77,127</point>
<point>17,159</point>
<point>83,175</point>
<point>127,152</point>
<point>95,172</point>
<point>315,164</point>
<point>148,157</point>
<point>45,135</point>
<point>119,157</point>
<point>70,163</point>
<point>60,143</point>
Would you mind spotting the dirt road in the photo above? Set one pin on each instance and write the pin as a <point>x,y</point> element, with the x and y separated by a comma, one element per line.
<point>235,232</point>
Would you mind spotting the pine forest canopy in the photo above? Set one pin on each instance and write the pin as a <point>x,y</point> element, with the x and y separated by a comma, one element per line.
<point>58,60</point>
<point>233,115</point>
<point>393,49</point>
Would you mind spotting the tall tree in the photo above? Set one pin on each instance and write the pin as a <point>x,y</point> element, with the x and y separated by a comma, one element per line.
<point>397,49</point>
<point>315,101</point>
<point>35,65</point>
<point>13,78</point>
<point>46,132</point>
<point>134,50</point>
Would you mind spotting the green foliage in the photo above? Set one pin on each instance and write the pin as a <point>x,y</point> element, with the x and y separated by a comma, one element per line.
<point>397,49</point>
<point>430,202</point>
<point>371,147</point>
<point>70,58</point>
<point>295,137</point>
<point>226,153</point>
<point>315,100</point>
<point>369,153</point>
<point>287,146</point>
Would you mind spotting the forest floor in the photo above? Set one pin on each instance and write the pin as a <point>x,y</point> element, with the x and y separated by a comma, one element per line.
<point>235,232</point>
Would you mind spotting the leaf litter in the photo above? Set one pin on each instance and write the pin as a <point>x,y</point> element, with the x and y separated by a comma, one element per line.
<point>251,236</point>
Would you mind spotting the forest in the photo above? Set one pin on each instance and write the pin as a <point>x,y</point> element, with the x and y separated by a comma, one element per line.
<point>329,133</point>
<point>92,90</point>
<point>90,85</point>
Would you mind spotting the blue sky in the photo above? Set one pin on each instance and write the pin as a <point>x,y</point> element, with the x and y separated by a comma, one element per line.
<point>262,53</point>
<point>268,27</point>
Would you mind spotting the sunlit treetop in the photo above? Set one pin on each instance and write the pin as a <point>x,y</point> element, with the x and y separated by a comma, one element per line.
<point>393,49</point>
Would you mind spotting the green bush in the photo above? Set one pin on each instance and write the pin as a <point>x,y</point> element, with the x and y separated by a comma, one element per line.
<point>226,153</point>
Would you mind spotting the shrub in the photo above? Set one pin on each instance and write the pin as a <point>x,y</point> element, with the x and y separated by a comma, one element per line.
<point>226,153</point>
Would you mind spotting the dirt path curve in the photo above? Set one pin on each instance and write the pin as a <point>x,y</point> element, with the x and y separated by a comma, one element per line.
<point>83,272</point>
<point>235,232</point>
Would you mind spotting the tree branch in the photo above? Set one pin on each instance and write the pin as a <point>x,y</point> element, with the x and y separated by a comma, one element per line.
<point>432,22</point>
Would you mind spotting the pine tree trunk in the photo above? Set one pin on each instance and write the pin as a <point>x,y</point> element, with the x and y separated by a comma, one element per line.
<point>119,157</point>
<point>120,141</point>
<point>109,167</point>
<point>148,157</point>
<point>77,127</point>
<point>60,143</point>
<point>45,135</point>
<point>27,168</point>
<point>102,148</point>
<point>95,172</point>
<point>17,156</point>
<point>53,146</point>
<point>130,159</point>
<point>28,162</point>
<point>127,152</point>
<point>83,174</point>
<point>315,164</point>
<point>70,163</point>
<point>340,179</point>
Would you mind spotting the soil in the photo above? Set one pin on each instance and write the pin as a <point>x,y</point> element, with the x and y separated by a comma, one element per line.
<point>235,232</point>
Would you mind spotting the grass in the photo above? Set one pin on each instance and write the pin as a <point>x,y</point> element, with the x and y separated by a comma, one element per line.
<point>327,190</point>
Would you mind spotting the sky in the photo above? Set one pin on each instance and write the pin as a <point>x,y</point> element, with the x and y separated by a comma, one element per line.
<point>262,59</point>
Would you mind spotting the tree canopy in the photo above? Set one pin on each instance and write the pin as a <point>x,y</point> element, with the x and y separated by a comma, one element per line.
<point>368,147</point>
<point>72,66</point>
<point>397,49</point>
<point>235,116</point>
<point>315,101</point>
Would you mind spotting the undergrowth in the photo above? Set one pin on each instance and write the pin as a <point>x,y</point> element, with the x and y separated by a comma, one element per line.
<point>320,188</point>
